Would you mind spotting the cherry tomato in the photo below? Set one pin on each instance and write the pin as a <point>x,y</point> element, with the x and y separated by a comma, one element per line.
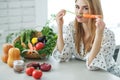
<point>37,74</point>
<point>39,45</point>
<point>29,71</point>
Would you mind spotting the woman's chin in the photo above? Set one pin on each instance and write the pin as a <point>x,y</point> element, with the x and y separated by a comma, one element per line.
<point>80,21</point>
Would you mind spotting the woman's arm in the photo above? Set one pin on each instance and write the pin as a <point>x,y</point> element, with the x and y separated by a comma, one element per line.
<point>95,48</point>
<point>100,25</point>
<point>60,21</point>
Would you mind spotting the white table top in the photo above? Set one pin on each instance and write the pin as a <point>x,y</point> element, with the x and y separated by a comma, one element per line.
<point>72,70</point>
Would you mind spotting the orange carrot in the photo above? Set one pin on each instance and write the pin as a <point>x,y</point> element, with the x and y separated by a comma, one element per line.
<point>30,46</point>
<point>85,15</point>
<point>28,35</point>
<point>91,16</point>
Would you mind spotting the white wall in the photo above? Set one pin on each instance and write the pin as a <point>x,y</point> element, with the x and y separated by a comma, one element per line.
<point>111,11</point>
<point>41,12</point>
<point>56,5</point>
<point>16,15</point>
<point>19,14</point>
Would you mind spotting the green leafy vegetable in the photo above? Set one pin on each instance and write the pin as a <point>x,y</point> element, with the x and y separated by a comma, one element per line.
<point>24,38</point>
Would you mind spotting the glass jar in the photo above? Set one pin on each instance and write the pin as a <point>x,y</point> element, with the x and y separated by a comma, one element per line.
<point>18,65</point>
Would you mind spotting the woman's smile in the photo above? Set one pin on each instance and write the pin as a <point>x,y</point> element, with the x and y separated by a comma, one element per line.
<point>79,18</point>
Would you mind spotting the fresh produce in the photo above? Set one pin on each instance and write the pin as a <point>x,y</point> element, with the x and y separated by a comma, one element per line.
<point>36,65</point>
<point>45,67</point>
<point>4,58</point>
<point>37,74</point>
<point>42,41</point>
<point>85,15</point>
<point>30,46</point>
<point>34,40</point>
<point>14,54</point>
<point>22,38</point>
<point>29,71</point>
<point>90,16</point>
<point>39,46</point>
<point>6,48</point>
<point>31,39</point>
<point>30,53</point>
<point>28,33</point>
<point>50,41</point>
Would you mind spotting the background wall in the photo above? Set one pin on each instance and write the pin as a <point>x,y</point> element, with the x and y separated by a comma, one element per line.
<point>16,15</point>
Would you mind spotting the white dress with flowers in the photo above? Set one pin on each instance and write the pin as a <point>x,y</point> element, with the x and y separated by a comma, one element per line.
<point>104,59</point>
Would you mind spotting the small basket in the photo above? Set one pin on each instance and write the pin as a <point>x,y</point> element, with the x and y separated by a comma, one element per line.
<point>49,39</point>
<point>30,54</point>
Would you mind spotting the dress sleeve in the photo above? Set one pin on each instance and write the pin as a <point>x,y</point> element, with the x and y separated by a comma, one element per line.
<point>66,53</point>
<point>104,58</point>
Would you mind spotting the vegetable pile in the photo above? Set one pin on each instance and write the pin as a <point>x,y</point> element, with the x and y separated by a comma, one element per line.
<point>42,41</point>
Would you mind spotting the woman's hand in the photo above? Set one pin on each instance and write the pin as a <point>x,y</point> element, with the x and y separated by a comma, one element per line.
<point>100,25</point>
<point>60,21</point>
<point>59,18</point>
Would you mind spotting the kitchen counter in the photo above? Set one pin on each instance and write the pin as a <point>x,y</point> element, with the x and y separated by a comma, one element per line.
<point>72,70</point>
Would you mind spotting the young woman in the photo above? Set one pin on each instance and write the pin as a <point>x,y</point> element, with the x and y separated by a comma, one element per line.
<point>86,38</point>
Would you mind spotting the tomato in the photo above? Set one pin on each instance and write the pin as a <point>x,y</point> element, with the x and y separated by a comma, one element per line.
<point>29,71</point>
<point>39,45</point>
<point>37,74</point>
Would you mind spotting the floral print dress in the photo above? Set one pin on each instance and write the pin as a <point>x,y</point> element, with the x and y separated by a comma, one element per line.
<point>103,60</point>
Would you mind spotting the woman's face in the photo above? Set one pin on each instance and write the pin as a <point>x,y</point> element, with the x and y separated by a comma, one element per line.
<point>81,7</point>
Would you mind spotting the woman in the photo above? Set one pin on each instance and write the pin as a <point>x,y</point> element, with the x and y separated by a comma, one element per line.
<point>87,39</point>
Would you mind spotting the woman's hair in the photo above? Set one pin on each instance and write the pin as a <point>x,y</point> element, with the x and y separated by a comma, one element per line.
<point>94,8</point>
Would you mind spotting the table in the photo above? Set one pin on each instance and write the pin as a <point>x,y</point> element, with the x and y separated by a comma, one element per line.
<point>72,70</point>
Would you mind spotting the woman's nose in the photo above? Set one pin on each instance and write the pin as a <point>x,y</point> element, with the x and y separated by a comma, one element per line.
<point>80,10</point>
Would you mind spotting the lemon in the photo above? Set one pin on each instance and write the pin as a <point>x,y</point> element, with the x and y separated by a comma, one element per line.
<point>34,40</point>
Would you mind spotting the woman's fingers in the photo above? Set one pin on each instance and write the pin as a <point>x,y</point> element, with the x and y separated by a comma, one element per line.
<point>61,14</point>
<point>59,17</point>
<point>100,25</point>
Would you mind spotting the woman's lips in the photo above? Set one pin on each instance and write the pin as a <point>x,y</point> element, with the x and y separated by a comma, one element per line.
<point>79,17</point>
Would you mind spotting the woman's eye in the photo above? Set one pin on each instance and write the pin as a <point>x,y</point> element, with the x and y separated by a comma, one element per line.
<point>77,7</point>
<point>86,8</point>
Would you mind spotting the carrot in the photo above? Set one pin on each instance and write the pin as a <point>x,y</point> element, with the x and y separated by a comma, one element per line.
<point>30,46</point>
<point>91,16</point>
<point>28,34</point>
<point>85,15</point>
<point>22,34</point>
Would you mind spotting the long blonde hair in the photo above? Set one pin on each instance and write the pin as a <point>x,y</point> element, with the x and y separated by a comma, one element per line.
<point>94,8</point>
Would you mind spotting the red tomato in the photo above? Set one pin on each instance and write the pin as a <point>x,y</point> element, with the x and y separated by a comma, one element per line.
<point>37,74</point>
<point>39,45</point>
<point>29,71</point>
